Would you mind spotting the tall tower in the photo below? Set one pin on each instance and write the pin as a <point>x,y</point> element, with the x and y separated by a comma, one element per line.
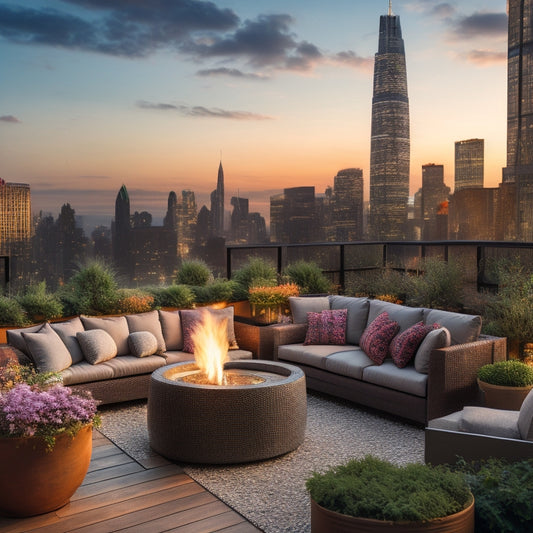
<point>389,143</point>
<point>469,156</point>
<point>348,204</point>
<point>217,204</point>
<point>121,233</point>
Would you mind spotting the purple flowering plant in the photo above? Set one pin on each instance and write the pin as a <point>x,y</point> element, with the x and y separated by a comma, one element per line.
<point>37,407</point>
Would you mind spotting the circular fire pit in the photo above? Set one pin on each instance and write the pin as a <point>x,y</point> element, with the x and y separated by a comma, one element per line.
<point>219,424</point>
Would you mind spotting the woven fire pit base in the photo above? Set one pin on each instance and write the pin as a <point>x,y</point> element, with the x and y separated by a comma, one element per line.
<point>215,424</point>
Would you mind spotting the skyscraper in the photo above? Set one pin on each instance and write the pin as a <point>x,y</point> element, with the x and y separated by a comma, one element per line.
<point>389,143</point>
<point>217,204</point>
<point>434,194</point>
<point>348,204</point>
<point>469,157</point>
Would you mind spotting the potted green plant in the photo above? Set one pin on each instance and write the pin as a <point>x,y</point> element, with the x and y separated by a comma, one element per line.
<point>370,494</point>
<point>505,383</point>
<point>45,441</point>
<point>269,304</point>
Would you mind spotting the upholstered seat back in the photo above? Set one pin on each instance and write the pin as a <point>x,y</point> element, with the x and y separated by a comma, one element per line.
<point>525,418</point>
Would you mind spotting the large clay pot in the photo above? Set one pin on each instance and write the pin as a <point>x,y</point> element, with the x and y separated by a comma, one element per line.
<point>35,481</point>
<point>326,521</point>
<point>500,397</point>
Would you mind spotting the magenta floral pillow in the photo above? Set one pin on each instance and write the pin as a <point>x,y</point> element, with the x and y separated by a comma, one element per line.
<point>377,336</point>
<point>404,346</point>
<point>326,327</point>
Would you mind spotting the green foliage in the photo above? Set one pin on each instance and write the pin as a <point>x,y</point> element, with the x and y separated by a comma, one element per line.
<point>173,296</point>
<point>92,290</point>
<point>440,286</point>
<point>512,373</point>
<point>256,273</point>
<point>309,277</point>
<point>220,290</point>
<point>381,282</point>
<point>12,313</point>
<point>40,304</point>
<point>194,273</point>
<point>503,493</point>
<point>372,488</point>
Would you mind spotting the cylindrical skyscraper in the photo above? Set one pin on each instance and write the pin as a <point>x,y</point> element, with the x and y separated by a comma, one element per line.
<point>389,147</point>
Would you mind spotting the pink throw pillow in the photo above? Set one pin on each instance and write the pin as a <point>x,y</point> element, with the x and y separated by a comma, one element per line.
<point>404,346</point>
<point>377,336</point>
<point>326,327</point>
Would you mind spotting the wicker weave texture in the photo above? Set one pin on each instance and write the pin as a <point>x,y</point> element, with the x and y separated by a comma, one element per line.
<point>222,425</point>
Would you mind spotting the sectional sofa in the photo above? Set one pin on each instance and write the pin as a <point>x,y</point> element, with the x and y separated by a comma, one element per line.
<point>113,356</point>
<point>416,363</point>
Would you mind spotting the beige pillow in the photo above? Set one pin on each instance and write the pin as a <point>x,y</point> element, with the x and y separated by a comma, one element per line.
<point>97,345</point>
<point>148,322</point>
<point>67,331</point>
<point>142,343</point>
<point>171,327</point>
<point>116,326</point>
<point>47,350</point>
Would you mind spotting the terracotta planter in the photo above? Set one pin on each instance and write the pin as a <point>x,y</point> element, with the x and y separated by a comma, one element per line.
<point>325,521</point>
<point>500,397</point>
<point>35,481</point>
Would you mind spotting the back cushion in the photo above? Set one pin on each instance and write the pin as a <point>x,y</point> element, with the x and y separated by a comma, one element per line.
<point>116,326</point>
<point>68,331</point>
<point>47,350</point>
<point>356,320</point>
<point>15,338</point>
<point>525,418</point>
<point>171,326</point>
<point>463,328</point>
<point>405,316</point>
<point>148,322</point>
<point>301,305</point>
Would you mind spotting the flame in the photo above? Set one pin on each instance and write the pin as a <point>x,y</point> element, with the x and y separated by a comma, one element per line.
<point>210,338</point>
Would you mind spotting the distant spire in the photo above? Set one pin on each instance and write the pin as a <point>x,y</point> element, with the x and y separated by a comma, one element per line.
<point>390,8</point>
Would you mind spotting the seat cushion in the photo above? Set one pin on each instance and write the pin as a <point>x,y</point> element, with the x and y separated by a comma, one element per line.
<point>463,328</point>
<point>404,315</point>
<point>449,422</point>
<point>525,418</point>
<point>312,355</point>
<point>67,331</point>
<point>487,421</point>
<point>402,379</point>
<point>356,320</point>
<point>84,372</point>
<point>47,350</point>
<point>116,326</point>
<point>171,327</point>
<point>349,363</point>
<point>148,322</point>
<point>301,305</point>
<point>129,365</point>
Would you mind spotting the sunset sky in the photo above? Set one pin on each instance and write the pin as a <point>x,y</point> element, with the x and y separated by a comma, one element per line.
<point>153,93</point>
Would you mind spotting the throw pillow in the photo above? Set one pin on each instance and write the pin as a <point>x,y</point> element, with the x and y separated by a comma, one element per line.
<point>47,350</point>
<point>148,321</point>
<point>116,326</point>
<point>68,331</point>
<point>142,343</point>
<point>97,345</point>
<point>326,327</point>
<point>377,336</point>
<point>403,347</point>
<point>15,338</point>
<point>436,339</point>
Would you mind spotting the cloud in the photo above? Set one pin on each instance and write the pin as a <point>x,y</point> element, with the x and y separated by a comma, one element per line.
<point>432,8</point>
<point>9,118</point>
<point>354,60</point>
<point>202,112</point>
<point>480,25</point>
<point>486,58</point>
<point>231,72</point>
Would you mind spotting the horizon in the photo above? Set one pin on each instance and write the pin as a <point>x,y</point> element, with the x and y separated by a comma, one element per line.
<point>154,95</point>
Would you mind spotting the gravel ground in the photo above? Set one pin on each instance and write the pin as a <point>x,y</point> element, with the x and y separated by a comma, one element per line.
<point>271,494</point>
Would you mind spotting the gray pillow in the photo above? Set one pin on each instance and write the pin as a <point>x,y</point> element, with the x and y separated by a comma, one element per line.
<point>301,305</point>
<point>148,322</point>
<point>47,350</point>
<point>116,326</point>
<point>357,315</point>
<point>97,345</point>
<point>434,340</point>
<point>525,418</point>
<point>463,328</point>
<point>171,327</point>
<point>15,338</point>
<point>67,331</point>
<point>142,343</point>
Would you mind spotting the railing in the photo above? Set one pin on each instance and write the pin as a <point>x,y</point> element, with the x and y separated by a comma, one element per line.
<point>342,261</point>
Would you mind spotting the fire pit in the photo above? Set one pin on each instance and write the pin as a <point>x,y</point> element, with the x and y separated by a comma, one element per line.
<point>220,424</point>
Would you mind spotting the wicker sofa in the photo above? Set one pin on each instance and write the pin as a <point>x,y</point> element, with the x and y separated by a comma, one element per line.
<point>439,379</point>
<point>113,357</point>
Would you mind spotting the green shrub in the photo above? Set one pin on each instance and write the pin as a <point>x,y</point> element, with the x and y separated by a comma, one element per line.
<point>12,313</point>
<point>512,373</point>
<point>372,488</point>
<point>256,273</point>
<point>194,273</point>
<point>180,296</point>
<point>385,282</point>
<point>39,304</point>
<point>134,301</point>
<point>309,278</point>
<point>503,493</point>
<point>219,290</point>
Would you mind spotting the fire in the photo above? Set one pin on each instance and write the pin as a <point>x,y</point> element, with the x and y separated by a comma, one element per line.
<point>210,338</point>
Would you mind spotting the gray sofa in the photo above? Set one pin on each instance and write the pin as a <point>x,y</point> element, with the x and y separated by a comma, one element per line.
<point>112,356</point>
<point>439,379</point>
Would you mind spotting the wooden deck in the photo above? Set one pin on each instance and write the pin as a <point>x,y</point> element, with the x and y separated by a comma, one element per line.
<point>119,494</point>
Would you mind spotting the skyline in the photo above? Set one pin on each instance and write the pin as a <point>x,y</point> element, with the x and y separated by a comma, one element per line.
<point>129,96</point>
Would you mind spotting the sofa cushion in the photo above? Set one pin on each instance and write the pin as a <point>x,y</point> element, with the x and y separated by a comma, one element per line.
<point>85,372</point>
<point>434,340</point>
<point>312,355</point>
<point>356,320</point>
<point>15,338</point>
<point>171,327</point>
<point>350,363</point>
<point>129,365</point>
<point>67,331</point>
<point>525,418</point>
<point>405,316</point>
<point>401,379</point>
<point>377,336</point>
<point>486,421</point>
<point>449,422</point>
<point>404,346</point>
<point>47,350</point>
<point>97,345</point>
<point>301,305</point>
<point>463,328</point>
<point>142,343</point>
<point>148,322</point>
<point>116,326</point>
<point>326,327</point>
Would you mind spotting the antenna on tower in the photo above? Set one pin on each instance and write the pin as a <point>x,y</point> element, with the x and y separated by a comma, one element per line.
<point>390,8</point>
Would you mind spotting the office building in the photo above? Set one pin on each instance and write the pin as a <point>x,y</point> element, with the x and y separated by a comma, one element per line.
<point>469,164</point>
<point>434,196</point>
<point>348,205</point>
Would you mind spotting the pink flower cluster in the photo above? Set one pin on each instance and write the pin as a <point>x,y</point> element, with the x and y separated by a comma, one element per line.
<point>27,411</point>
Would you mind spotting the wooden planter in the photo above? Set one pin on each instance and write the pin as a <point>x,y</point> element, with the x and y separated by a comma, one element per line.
<point>36,481</point>
<point>500,397</point>
<point>326,521</point>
